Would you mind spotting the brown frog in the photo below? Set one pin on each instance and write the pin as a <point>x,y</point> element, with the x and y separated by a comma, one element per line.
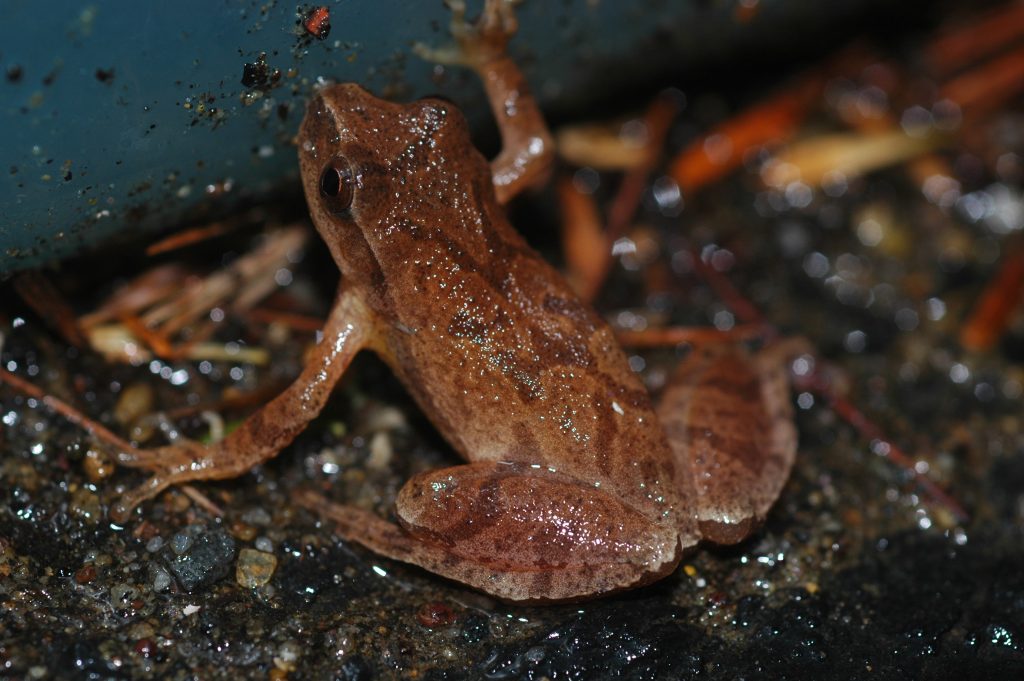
<point>576,485</point>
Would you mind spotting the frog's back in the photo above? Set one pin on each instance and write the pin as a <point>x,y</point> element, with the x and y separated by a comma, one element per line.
<point>500,353</point>
<point>489,338</point>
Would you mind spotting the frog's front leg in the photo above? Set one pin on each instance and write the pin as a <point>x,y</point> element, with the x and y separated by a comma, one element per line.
<point>262,435</point>
<point>517,532</point>
<point>729,418</point>
<point>527,150</point>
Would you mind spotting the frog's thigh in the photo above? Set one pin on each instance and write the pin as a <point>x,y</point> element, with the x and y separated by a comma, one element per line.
<point>523,535</point>
<point>729,419</point>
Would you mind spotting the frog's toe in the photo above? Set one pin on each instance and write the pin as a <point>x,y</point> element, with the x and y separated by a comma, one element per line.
<point>122,509</point>
<point>181,455</point>
<point>499,18</point>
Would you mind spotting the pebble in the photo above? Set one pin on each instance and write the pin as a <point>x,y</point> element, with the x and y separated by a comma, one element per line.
<point>256,516</point>
<point>145,647</point>
<point>381,452</point>
<point>243,531</point>
<point>85,574</point>
<point>85,505</point>
<point>122,594</point>
<point>135,400</point>
<point>207,559</point>
<point>141,630</point>
<point>97,465</point>
<point>255,568</point>
<point>435,615</point>
<point>159,578</point>
<point>181,542</point>
<point>287,655</point>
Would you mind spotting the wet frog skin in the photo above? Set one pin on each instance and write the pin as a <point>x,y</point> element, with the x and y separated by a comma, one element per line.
<point>575,484</point>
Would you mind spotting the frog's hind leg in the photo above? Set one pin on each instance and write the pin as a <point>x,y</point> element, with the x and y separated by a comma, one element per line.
<point>519,533</point>
<point>729,418</point>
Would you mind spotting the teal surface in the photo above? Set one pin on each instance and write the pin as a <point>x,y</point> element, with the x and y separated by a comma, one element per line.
<point>134,116</point>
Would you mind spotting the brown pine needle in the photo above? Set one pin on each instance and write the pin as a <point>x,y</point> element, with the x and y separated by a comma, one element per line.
<point>66,410</point>
<point>42,296</point>
<point>583,239</point>
<point>868,430</point>
<point>188,237</point>
<point>976,39</point>
<point>994,309</point>
<point>96,429</point>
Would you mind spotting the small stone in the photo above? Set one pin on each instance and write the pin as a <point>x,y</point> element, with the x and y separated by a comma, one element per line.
<point>181,542</point>
<point>206,561</point>
<point>122,594</point>
<point>255,568</point>
<point>145,647</point>
<point>179,503</point>
<point>256,516</point>
<point>146,531</point>
<point>264,544</point>
<point>159,578</point>
<point>243,531</point>
<point>85,505</point>
<point>97,465</point>
<point>287,656</point>
<point>141,630</point>
<point>435,615</point>
<point>135,401</point>
<point>381,452</point>
<point>155,544</point>
<point>85,574</point>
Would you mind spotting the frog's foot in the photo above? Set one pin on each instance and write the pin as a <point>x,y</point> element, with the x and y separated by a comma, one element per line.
<point>175,464</point>
<point>476,43</point>
<point>518,533</point>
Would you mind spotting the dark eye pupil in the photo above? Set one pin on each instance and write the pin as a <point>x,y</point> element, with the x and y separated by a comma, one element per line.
<point>330,183</point>
<point>337,185</point>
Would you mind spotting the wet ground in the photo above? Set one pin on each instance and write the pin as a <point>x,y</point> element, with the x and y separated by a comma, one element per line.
<point>857,574</point>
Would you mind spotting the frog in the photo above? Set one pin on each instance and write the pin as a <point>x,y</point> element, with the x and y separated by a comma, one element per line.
<point>575,483</point>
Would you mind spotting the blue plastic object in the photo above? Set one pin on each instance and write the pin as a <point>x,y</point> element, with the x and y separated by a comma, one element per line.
<point>133,116</point>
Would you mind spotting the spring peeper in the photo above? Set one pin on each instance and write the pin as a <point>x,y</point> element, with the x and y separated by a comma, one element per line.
<point>575,484</point>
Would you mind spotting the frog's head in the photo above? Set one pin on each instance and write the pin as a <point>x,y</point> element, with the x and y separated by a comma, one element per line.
<point>378,175</point>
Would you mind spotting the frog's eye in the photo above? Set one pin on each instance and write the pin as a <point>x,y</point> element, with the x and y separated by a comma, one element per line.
<point>337,185</point>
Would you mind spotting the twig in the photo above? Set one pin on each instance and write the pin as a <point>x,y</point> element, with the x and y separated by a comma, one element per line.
<point>66,410</point>
<point>42,296</point>
<point>96,429</point>
<point>203,501</point>
<point>976,39</point>
<point>992,313</point>
<point>872,432</point>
